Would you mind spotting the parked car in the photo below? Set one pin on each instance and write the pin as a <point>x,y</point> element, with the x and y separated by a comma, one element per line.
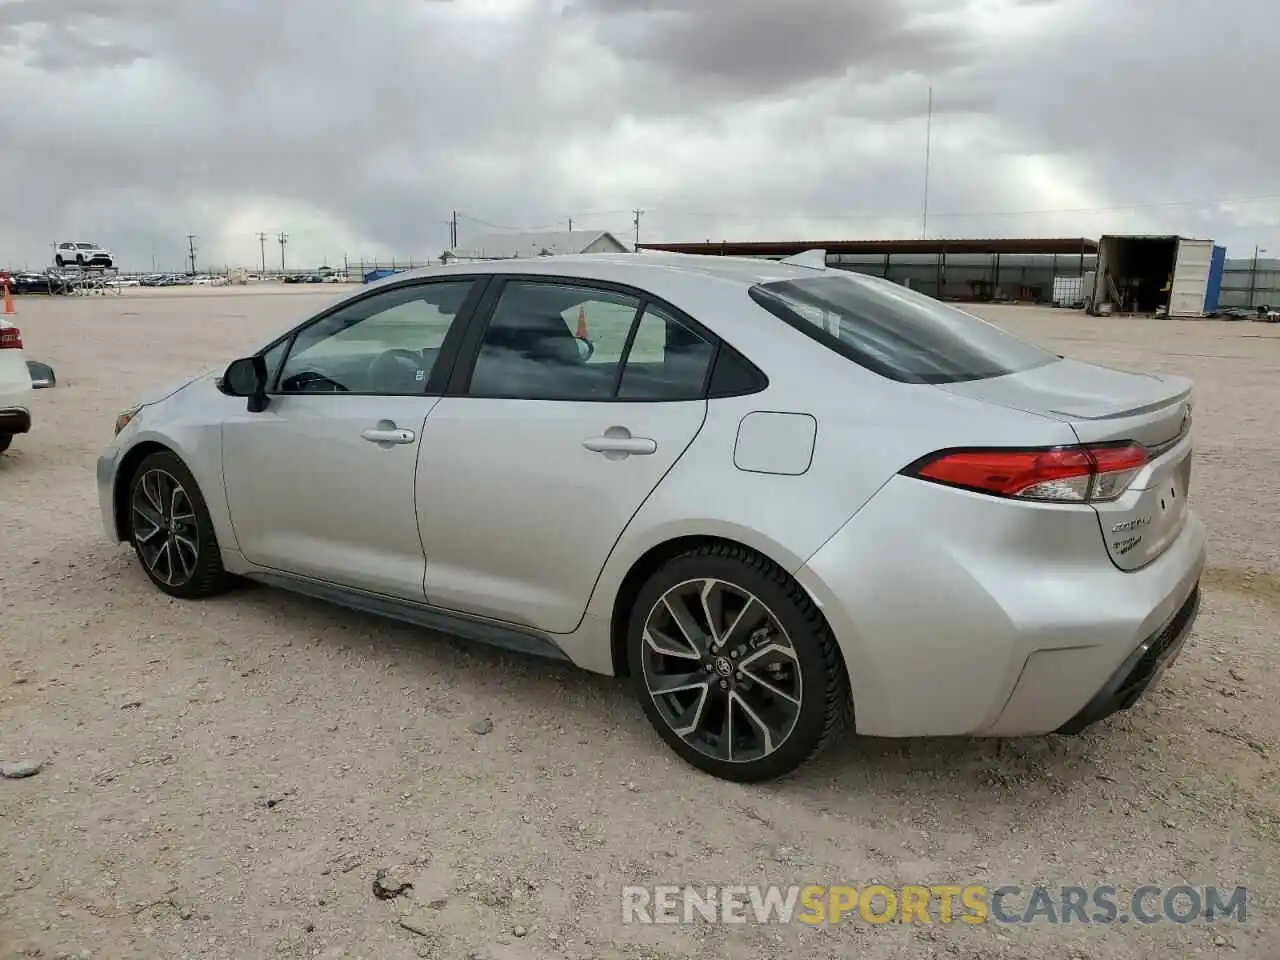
<point>15,385</point>
<point>82,254</point>
<point>778,497</point>
<point>29,283</point>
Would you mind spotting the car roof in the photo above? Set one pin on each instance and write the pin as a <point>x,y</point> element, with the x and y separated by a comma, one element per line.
<point>627,267</point>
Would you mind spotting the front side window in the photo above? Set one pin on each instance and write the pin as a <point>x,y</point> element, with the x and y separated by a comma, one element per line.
<point>386,344</point>
<point>896,332</point>
<point>553,341</point>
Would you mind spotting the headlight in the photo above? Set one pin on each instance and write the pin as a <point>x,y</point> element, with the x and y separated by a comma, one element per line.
<point>124,418</point>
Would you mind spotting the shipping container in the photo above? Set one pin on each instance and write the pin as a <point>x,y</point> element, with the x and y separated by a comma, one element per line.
<point>1155,274</point>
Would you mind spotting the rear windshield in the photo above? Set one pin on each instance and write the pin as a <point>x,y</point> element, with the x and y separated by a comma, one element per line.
<point>896,332</point>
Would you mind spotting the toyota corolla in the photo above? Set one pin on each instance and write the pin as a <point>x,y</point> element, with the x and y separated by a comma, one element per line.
<point>784,500</point>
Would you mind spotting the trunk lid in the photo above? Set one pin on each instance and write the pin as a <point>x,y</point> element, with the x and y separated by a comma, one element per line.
<point>1104,405</point>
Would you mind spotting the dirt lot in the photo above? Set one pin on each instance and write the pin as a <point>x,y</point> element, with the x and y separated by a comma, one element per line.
<point>224,779</point>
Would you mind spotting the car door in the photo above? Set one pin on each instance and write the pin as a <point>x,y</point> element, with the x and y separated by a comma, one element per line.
<point>321,483</point>
<point>547,443</point>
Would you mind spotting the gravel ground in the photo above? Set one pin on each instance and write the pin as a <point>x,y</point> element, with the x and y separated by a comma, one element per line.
<point>225,779</point>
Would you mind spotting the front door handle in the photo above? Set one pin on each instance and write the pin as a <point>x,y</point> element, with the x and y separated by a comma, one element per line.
<point>381,435</point>
<point>618,442</point>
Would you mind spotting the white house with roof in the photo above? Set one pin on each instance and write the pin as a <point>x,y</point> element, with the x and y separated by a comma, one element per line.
<point>505,246</point>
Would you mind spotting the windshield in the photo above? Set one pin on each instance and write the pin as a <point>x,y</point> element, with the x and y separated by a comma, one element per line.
<point>896,332</point>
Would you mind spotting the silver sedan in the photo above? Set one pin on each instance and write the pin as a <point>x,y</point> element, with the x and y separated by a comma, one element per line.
<point>784,500</point>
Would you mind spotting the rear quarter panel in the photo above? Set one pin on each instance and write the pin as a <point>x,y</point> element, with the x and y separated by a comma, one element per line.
<point>868,428</point>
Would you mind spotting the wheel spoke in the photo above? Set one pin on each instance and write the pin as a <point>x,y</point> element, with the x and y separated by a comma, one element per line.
<point>668,646</point>
<point>752,612</point>
<point>688,627</point>
<point>187,553</point>
<point>689,720</point>
<point>712,601</point>
<point>148,517</point>
<point>753,719</point>
<point>163,553</point>
<point>761,681</point>
<point>149,488</point>
<point>177,501</point>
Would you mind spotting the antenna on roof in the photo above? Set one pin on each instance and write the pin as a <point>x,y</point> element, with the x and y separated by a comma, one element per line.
<point>813,259</point>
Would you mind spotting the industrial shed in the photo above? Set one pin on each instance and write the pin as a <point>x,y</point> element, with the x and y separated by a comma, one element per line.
<point>505,246</point>
<point>968,270</point>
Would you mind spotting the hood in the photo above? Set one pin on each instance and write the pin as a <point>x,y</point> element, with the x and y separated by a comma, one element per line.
<point>165,392</point>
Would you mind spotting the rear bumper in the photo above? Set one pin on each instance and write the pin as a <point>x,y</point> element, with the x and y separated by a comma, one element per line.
<point>15,420</point>
<point>1142,668</point>
<point>965,615</point>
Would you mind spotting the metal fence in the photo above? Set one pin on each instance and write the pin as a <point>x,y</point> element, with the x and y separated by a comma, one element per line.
<point>1026,277</point>
<point>1246,284</point>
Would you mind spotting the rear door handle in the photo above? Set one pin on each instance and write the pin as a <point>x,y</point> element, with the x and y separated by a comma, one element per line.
<point>618,442</point>
<point>388,435</point>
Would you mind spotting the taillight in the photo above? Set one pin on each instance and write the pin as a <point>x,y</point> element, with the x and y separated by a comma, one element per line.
<point>1060,475</point>
<point>10,338</point>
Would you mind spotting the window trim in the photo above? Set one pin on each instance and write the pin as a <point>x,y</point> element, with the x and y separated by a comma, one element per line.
<point>444,365</point>
<point>480,321</point>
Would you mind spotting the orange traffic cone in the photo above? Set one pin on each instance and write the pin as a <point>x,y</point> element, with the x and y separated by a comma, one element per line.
<point>582,323</point>
<point>9,310</point>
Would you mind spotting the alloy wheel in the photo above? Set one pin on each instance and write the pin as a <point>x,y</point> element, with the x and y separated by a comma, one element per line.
<point>164,528</point>
<point>721,670</point>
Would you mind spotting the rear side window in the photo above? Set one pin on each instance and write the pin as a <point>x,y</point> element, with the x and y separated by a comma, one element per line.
<point>896,332</point>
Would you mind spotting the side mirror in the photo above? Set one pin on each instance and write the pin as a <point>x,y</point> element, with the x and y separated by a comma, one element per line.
<point>247,377</point>
<point>586,349</point>
<point>42,377</point>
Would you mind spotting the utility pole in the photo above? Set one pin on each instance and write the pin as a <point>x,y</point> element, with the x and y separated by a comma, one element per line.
<point>191,250</point>
<point>928,156</point>
<point>453,231</point>
<point>262,250</point>
<point>636,222</point>
<point>571,224</point>
<point>283,239</point>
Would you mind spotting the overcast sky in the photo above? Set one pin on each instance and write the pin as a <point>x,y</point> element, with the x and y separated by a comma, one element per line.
<point>358,126</point>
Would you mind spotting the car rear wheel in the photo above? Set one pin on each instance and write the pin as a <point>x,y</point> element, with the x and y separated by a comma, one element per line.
<point>735,665</point>
<point>171,531</point>
<point>5,440</point>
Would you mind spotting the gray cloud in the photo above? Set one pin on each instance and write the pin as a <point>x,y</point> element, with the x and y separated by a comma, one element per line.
<point>762,47</point>
<point>359,128</point>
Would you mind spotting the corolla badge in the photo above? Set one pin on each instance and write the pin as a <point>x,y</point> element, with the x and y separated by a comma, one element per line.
<point>1135,524</point>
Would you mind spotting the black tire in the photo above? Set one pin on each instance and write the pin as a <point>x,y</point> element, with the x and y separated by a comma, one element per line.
<point>80,259</point>
<point>197,573</point>
<point>5,440</point>
<point>824,696</point>
<point>59,261</point>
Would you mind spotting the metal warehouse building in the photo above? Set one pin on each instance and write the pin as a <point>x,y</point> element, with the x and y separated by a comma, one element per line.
<point>1015,269</point>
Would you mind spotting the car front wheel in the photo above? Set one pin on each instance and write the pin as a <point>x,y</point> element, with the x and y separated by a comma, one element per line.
<point>736,667</point>
<point>5,440</point>
<point>171,531</point>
